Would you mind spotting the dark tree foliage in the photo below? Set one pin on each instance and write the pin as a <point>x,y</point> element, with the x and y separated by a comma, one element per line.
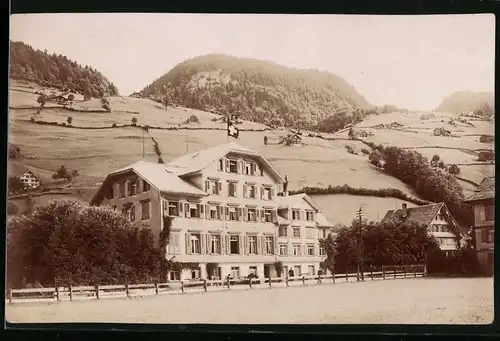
<point>415,170</point>
<point>15,185</point>
<point>14,151</point>
<point>259,91</point>
<point>82,245</point>
<point>56,71</point>
<point>385,243</point>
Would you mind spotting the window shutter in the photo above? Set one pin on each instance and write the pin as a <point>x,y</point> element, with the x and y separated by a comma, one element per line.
<point>186,210</point>
<point>257,211</point>
<point>188,244</point>
<point>200,208</point>
<point>272,192</point>
<point>239,213</point>
<point>207,186</point>
<point>274,216</point>
<point>203,242</point>
<point>263,245</point>
<point>227,213</point>
<point>482,213</point>
<point>247,244</point>
<point>259,245</point>
<point>207,211</point>
<point>223,244</point>
<point>262,192</point>
<point>304,250</point>
<point>220,187</point>
<point>245,214</point>
<point>244,190</point>
<point>180,207</point>
<point>262,216</point>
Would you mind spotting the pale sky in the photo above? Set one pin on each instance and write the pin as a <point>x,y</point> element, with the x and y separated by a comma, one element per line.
<point>410,61</point>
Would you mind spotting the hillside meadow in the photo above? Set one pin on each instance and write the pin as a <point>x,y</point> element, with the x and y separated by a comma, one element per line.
<point>316,163</point>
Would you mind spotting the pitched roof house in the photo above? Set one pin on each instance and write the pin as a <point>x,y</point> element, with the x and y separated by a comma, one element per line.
<point>483,202</point>
<point>438,219</point>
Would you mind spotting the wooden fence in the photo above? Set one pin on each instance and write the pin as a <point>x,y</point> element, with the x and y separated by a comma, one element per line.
<point>190,286</point>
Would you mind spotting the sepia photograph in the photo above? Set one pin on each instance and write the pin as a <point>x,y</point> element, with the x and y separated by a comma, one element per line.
<point>250,169</point>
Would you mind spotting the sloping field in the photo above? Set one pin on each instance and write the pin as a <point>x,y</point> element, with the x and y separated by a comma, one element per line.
<point>320,163</point>
<point>404,301</point>
<point>341,208</point>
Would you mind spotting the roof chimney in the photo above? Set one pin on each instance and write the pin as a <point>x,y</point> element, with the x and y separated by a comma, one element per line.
<point>285,186</point>
<point>405,210</point>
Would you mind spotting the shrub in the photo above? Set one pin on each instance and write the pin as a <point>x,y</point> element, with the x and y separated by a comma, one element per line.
<point>116,253</point>
<point>113,125</point>
<point>454,169</point>
<point>15,185</point>
<point>351,150</point>
<point>63,173</point>
<point>365,151</point>
<point>12,208</point>
<point>32,120</point>
<point>134,121</point>
<point>14,151</point>
<point>69,120</point>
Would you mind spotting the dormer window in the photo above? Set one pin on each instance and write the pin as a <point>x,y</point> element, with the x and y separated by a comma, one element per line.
<point>220,165</point>
<point>233,166</point>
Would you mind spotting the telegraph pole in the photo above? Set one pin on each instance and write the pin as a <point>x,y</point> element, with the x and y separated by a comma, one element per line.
<point>359,214</point>
<point>143,143</point>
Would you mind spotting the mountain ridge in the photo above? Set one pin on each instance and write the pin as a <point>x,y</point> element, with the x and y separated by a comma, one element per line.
<point>56,70</point>
<point>465,101</point>
<point>256,90</point>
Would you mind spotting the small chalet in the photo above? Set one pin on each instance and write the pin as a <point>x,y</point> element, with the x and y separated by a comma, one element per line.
<point>30,180</point>
<point>438,219</point>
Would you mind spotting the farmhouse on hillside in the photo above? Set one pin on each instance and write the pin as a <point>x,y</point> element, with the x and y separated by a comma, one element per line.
<point>441,132</point>
<point>483,202</point>
<point>486,155</point>
<point>438,219</point>
<point>222,207</point>
<point>292,140</point>
<point>30,179</point>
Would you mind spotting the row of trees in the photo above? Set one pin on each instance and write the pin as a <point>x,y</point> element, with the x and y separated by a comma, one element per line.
<point>394,243</point>
<point>57,71</point>
<point>429,182</point>
<point>83,245</point>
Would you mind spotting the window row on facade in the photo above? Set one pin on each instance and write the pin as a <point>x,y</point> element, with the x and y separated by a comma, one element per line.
<point>238,244</point>
<point>128,188</point>
<point>129,210</point>
<point>239,166</point>
<point>234,189</point>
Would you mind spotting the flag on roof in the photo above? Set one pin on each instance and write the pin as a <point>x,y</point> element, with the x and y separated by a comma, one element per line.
<point>231,127</point>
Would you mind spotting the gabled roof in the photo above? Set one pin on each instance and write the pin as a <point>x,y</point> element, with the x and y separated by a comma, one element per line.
<point>291,200</point>
<point>420,214</point>
<point>321,221</point>
<point>30,172</point>
<point>195,162</point>
<point>165,179</point>
<point>485,191</point>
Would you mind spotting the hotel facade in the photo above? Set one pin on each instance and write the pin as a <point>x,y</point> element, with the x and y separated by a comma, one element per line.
<point>227,207</point>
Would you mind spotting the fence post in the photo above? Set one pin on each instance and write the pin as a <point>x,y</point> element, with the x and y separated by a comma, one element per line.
<point>333,276</point>
<point>70,292</point>
<point>205,284</point>
<point>394,273</point>
<point>97,291</point>
<point>425,270</point>
<point>383,272</point>
<point>10,294</point>
<point>415,271</point>
<point>250,283</point>
<point>346,276</point>
<point>270,281</point>
<point>404,271</point>
<point>228,283</point>
<point>371,272</point>
<point>156,287</point>
<point>286,281</point>
<point>57,292</point>
<point>182,286</point>
<point>303,279</point>
<point>319,278</point>
<point>127,291</point>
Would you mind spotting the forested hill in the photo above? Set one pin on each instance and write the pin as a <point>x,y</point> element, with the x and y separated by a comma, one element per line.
<point>464,101</point>
<point>256,90</point>
<point>57,71</point>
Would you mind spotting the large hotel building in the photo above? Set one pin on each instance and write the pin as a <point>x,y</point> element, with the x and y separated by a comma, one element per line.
<point>228,207</point>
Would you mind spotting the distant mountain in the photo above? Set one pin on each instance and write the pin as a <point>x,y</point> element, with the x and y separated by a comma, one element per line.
<point>256,90</point>
<point>466,101</point>
<point>56,71</point>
